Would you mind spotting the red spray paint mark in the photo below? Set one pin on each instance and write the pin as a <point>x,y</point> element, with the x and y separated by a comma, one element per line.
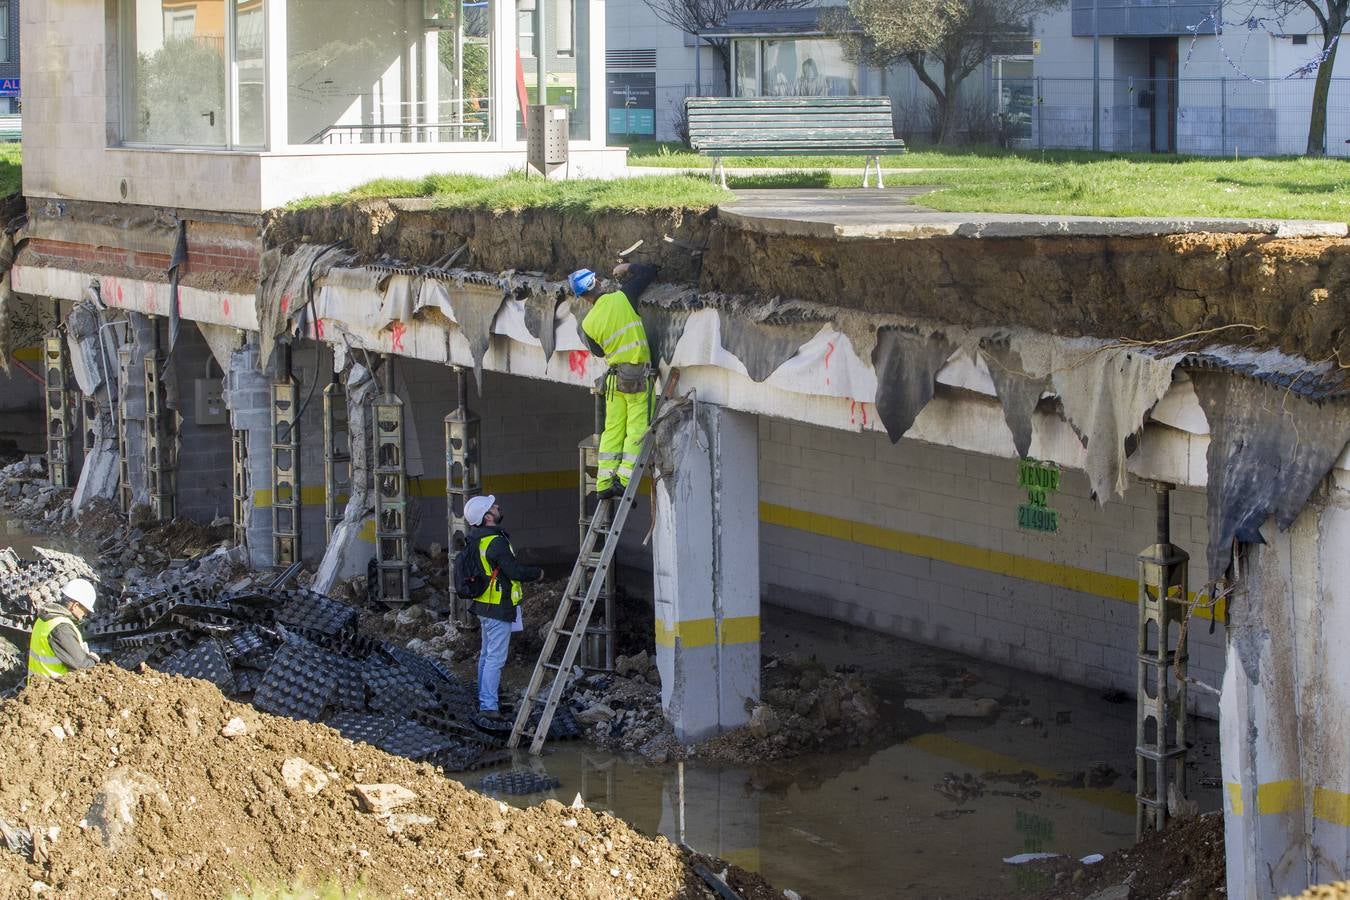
<point>576,361</point>
<point>225,306</point>
<point>829,351</point>
<point>285,303</point>
<point>318,329</point>
<point>398,330</point>
<point>854,408</point>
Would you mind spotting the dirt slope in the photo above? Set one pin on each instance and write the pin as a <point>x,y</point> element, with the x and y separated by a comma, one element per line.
<point>206,814</point>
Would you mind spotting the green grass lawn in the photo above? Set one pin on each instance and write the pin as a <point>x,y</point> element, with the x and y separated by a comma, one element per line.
<point>1068,182</point>
<point>11,169</point>
<point>515,191</point>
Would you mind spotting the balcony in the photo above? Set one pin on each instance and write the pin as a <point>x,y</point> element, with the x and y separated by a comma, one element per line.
<point>1140,18</point>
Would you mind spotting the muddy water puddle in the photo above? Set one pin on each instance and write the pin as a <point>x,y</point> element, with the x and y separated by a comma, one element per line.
<point>931,815</point>
<point>15,535</point>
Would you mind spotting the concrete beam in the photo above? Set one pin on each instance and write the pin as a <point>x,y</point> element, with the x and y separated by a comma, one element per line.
<point>706,560</point>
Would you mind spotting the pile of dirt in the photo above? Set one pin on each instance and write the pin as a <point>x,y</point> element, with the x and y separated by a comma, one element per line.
<point>146,783</point>
<point>1337,890</point>
<point>1183,862</point>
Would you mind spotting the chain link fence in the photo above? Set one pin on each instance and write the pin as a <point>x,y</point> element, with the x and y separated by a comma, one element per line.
<point>1206,116</point>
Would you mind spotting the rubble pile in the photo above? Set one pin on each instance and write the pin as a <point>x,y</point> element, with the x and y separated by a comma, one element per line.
<point>153,785</point>
<point>27,495</point>
<point>297,653</point>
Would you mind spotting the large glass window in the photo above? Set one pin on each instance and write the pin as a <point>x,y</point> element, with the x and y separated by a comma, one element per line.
<point>194,72</point>
<point>553,49</point>
<point>813,67</point>
<point>389,71</point>
<point>4,32</point>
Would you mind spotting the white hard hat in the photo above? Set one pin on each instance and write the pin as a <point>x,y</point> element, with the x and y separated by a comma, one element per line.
<point>477,507</point>
<point>81,591</point>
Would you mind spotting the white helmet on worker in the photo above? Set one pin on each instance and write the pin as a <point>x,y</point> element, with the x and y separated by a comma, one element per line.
<point>477,507</point>
<point>80,591</point>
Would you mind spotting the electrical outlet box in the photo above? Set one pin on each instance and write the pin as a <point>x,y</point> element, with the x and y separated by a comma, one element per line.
<point>211,402</point>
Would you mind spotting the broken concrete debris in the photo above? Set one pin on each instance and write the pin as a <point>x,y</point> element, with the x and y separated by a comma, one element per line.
<point>301,778</point>
<point>383,798</point>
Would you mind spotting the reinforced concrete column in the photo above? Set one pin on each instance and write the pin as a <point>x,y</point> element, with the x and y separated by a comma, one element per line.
<point>352,544</point>
<point>1284,709</point>
<point>248,395</point>
<point>706,565</point>
<point>138,340</point>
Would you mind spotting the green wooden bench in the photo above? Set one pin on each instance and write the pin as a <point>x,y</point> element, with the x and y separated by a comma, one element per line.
<point>792,126</point>
<point>11,127</point>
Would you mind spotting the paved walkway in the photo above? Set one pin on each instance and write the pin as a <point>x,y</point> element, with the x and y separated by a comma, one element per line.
<point>893,213</point>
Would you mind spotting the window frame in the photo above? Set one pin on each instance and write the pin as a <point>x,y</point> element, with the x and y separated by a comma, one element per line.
<point>127,43</point>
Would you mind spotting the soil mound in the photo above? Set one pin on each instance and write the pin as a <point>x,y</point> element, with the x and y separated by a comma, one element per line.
<point>133,782</point>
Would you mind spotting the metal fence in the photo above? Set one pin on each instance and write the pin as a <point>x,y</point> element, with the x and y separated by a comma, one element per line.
<point>1208,116</point>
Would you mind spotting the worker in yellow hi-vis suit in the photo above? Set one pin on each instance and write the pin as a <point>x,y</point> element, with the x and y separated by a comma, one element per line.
<point>613,329</point>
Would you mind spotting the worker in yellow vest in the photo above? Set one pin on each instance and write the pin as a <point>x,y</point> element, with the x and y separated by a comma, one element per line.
<point>498,607</point>
<point>56,646</point>
<point>613,329</point>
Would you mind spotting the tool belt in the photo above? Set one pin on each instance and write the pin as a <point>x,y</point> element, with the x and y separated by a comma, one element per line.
<point>628,378</point>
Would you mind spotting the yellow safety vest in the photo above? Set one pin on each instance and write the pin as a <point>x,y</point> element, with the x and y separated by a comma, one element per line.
<point>617,328</point>
<point>493,595</point>
<point>42,659</point>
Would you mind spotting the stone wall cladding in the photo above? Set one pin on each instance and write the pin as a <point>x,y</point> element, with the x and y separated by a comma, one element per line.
<point>971,500</point>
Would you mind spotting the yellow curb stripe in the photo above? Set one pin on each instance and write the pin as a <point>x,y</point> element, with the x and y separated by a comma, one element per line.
<point>987,760</point>
<point>694,633</point>
<point>1234,792</point>
<point>1084,581</point>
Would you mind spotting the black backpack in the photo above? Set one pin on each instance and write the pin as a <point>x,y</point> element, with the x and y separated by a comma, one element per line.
<point>470,581</point>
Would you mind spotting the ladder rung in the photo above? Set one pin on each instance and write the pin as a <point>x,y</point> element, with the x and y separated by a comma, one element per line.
<point>554,666</point>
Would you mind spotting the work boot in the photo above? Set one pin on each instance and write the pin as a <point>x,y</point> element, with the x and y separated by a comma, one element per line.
<point>613,492</point>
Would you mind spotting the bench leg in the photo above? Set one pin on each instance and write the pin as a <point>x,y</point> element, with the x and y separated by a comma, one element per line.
<point>867,172</point>
<point>722,169</point>
<point>880,183</point>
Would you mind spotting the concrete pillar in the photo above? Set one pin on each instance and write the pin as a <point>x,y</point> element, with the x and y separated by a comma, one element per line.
<point>249,399</point>
<point>706,565</point>
<point>1285,706</point>
<point>353,543</point>
<point>132,385</point>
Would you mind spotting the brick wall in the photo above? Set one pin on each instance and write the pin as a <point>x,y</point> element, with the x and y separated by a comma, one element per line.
<point>922,542</point>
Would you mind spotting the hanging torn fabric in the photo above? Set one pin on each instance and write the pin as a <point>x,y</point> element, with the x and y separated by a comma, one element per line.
<point>1268,450</point>
<point>1018,392</point>
<point>907,363</point>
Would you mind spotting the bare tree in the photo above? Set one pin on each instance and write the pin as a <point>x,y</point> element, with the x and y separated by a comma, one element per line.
<point>696,16</point>
<point>943,41</point>
<point>1332,17</point>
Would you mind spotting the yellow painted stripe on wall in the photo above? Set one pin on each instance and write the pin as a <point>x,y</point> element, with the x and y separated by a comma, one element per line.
<point>28,354</point>
<point>1331,806</point>
<point>703,632</point>
<point>988,760</point>
<point>1279,797</point>
<point>1086,581</point>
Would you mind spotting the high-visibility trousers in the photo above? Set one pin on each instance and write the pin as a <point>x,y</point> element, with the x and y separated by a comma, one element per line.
<point>625,425</point>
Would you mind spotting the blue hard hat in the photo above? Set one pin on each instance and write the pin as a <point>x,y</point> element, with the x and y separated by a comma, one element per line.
<point>581,281</point>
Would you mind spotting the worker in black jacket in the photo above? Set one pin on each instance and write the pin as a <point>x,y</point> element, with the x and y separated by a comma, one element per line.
<point>498,608</point>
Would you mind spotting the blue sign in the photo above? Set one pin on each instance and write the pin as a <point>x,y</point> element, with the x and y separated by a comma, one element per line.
<point>9,87</point>
<point>631,103</point>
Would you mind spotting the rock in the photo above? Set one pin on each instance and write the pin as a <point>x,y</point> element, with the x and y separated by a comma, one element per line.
<point>234,728</point>
<point>475,853</point>
<point>421,647</point>
<point>1115,892</point>
<point>763,721</point>
<point>220,521</point>
<point>59,733</point>
<point>938,709</point>
<point>809,680</point>
<point>397,822</point>
<point>829,706</point>
<point>300,777</point>
<point>408,616</point>
<point>595,714</point>
<point>382,798</point>
<point>112,814</point>
<point>637,664</point>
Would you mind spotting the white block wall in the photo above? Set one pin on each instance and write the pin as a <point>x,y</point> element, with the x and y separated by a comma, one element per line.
<point>529,427</point>
<point>971,500</point>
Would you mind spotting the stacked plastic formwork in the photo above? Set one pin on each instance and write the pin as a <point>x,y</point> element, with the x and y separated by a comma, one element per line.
<point>337,458</point>
<point>285,472</point>
<point>159,453</point>
<point>391,498</point>
<point>463,476</point>
<point>60,413</point>
<point>1160,721</point>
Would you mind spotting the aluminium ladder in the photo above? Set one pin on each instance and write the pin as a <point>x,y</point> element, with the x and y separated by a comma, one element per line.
<point>583,589</point>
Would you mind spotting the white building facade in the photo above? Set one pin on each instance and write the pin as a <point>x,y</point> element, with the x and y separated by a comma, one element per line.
<point>245,105</point>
